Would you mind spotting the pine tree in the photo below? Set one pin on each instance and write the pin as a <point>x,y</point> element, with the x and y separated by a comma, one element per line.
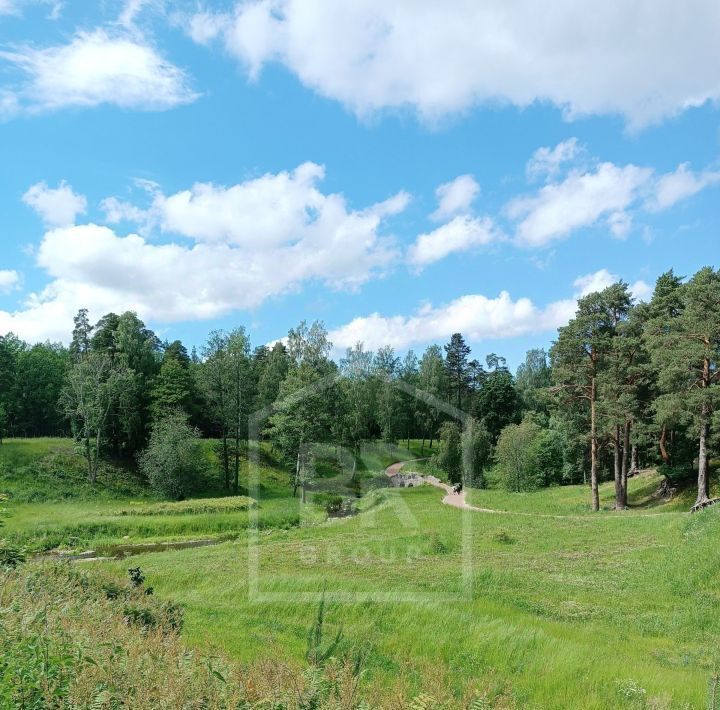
<point>686,350</point>
<point>456,365</point>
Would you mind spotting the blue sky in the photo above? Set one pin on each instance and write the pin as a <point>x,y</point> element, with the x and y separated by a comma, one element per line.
<point>399,171</point>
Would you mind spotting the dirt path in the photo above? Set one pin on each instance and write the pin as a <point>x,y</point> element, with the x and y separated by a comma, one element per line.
<point>457,500</point>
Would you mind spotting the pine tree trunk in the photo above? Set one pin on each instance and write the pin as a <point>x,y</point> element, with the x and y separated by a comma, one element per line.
<point>594,449</point>
<point>625,464</point>
<point>634,465</point>
<point>617,468</point>
<point>663,450</point>
<point>703,478</point>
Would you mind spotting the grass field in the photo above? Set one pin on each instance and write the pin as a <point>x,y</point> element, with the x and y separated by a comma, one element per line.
<point>546,606</point>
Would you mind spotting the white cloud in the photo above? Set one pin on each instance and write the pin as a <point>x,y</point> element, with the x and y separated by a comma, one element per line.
<point>203,27</point>
<point>580,200</point>
<point>130,11</point>
<point>460,234</point>
<point>546,162</point>
<point>247,243</point>
<point>9,280</point>
<point>679,185</point>
<point>600,280</point>
<point>455,197</point>
<point>98,68</point>
<point>620,224</point>
<point>58,207</point>
<point>121,211</point>
<point>476,316</point>
<point>14,7</point>
<point>442,58</point>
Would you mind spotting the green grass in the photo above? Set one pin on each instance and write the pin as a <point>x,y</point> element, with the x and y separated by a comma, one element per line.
<point>229,504</point>
<point>603,611</point>
<point>548,606</point>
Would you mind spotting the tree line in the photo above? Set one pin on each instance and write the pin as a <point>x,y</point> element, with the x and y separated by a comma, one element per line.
<point>624,384</point>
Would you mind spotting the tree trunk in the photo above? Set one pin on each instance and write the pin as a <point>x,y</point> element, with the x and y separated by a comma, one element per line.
<point>703,478</point>
<point>297,474</point>
<point>226,459</point>
<point>634,466</point>
<point>237,462</point>
<point>617,468</point>
<point>625,463</point>
<point>88,458</point>
<point>594,449</point>
<point>663,450</point>
<point>96,457</point>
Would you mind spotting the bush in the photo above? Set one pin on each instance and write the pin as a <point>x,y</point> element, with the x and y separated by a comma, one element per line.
<point>448,457</point>
<point>174,460</point>
<point>476,445</point>
<point>65,643</point>
<point>231,504</point>
<point>515,453</point>
<point>10,555</point>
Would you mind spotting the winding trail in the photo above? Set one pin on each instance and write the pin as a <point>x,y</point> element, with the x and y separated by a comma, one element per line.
<point>457,500</point>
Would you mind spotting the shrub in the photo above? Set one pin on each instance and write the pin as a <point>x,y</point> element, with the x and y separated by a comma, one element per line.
<point>230,504</point>
<point>515,458</point>
<point>448,457</point>
<point>10,555</point>
<point>174,460</point>
<point>65,644</point>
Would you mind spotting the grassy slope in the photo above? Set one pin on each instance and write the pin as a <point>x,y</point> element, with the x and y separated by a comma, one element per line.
<point>576,612</point>
<point>53,506</point>
<point>586,611</point>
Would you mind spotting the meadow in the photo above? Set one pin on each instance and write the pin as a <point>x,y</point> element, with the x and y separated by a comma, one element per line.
<point>542,606</point>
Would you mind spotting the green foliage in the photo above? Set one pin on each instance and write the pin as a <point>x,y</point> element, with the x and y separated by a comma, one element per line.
<point>516,453</point>
<point>192,507</point>
<point>476,444</point>
<point>496,401</point>
<point>456,366</point>
<point>320,650</point>
<point>10,555</point>
<point>545,457</point>
<point>174,461</point>
<point>449,456</point>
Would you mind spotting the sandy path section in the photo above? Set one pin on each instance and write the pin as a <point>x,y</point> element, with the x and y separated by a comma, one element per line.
<point>457,500</point>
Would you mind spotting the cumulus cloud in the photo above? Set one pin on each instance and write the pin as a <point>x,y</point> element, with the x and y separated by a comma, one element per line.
<point>460,234</point>
<point>59,206</point>
<point>240,246</point>
<point>455,197</point>
<point>97,68</point>
<point>600,280</point>
<point>579,200</point>
<point>442,58</point>
<point>546,162</point>
<point>476,316</point>
<point>679,185</point>
<point>9,280</point>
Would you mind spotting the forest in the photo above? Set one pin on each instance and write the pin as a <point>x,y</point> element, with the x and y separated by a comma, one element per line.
<point>624,386</point>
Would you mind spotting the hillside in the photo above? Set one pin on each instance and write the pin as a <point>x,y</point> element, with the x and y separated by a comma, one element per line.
<point>545,605</point>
